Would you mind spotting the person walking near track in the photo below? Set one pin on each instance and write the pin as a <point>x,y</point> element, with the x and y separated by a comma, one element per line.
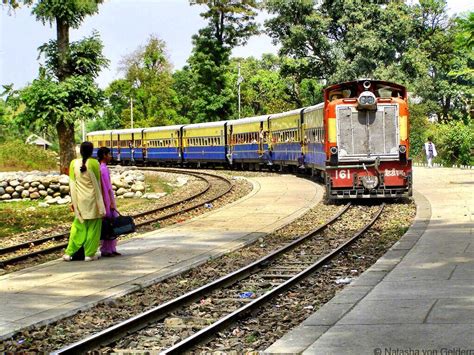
<point>87,203</point>
<point>430,151</point>
<point>107,247</point>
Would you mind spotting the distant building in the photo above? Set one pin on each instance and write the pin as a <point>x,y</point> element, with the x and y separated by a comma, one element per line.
<point>38,141</point>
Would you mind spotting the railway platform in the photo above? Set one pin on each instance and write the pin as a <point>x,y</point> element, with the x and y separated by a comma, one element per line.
<point>54,290</point>
<point>416,299</point>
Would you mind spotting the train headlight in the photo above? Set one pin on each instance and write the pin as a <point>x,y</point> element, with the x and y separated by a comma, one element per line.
<point>402,149</point>
<point>333,150</point>
<point>370,182</point>
<point>367,101</point>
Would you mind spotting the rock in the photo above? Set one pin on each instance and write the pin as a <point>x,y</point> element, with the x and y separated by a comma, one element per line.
<point>50,191</point>
<point>5,197</point>
<point>25,194</point>
<point>47,198</point>
<point>64,180</point>
<point>19,189</point>
<point>155,196</point>
<point>35,184</point>
<point>128,194</point>
<point>114,187</point>
<point>34,195</point>
<point>138,194</point>
<point>9,190</point>
<point>63,201</point>
<point>26,185</point>
<point>138,187</point>
<point>15,195</point>
<point>54,186</point>
<point>129,180</point>
<point>117,181</point>
<point>140,178</point>
<point>57,194</point>
<point>52,201</point>
<point>64,189</point>
<point>43,204</point>
<point>41,187</point>
<point>43,193</point>
<point>45,181</point>
<point>2,191</point>
<point>121,191</point>
<point>14,183</point>
<point>3,184</point>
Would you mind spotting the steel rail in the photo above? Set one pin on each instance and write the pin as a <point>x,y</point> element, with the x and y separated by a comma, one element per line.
<point>158,313</point>
<point>54,248</point>
<point>231,318</point>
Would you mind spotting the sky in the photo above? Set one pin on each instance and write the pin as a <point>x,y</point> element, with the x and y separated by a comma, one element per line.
<point>123,26</point>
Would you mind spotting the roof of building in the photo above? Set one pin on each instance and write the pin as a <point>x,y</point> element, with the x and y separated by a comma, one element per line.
<point>37,140</point>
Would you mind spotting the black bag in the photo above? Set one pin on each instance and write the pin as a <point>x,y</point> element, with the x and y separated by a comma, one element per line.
<point>113,227</point>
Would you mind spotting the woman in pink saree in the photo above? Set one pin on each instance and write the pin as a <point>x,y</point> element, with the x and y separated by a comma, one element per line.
<point>107,247</point>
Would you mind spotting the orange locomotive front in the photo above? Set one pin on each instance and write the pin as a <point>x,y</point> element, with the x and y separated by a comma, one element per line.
<point>367,140</point>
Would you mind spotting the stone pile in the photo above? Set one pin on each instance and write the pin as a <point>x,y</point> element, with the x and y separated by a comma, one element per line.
<point>130,184</point>
<point>53,188</point>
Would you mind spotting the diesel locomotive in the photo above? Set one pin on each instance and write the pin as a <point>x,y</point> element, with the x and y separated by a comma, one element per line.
<point>357,140</point>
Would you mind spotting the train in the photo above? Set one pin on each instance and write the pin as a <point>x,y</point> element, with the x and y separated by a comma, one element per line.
<point>356,141</point>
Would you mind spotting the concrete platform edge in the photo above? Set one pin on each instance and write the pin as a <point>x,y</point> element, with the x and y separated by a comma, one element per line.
<point>304,335</point>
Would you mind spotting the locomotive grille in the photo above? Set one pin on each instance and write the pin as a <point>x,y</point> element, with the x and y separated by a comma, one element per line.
<point>367,134</point>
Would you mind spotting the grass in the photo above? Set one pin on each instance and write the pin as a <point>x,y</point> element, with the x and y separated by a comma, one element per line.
<point>16,155</point>
<point>24,216</point>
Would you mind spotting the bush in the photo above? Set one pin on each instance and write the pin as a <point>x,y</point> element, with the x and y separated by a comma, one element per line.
<point>454,142</point>
<point>16,155</point>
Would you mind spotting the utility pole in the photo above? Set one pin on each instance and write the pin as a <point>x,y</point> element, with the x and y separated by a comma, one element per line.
<point>83,130</point>
<point>239,81</point>
<point>131,112</point>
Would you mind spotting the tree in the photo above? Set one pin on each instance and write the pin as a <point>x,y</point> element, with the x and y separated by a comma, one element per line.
<point>63,63</point>
<point>230,23</point>
<point>147,81</point>
<point>302,32</point>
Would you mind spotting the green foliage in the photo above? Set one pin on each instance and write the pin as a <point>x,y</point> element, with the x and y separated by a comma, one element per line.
<point>454,141</point>
<point>416,45</point>
<point>303,34</point>
<point>83,57</point>
<point>149,82</point>
<point>230,21</point>
<point>49,102</point>
<point>418,127</point>
<point>71,12</point>
<point>16,155</point>
<point>203,86</point>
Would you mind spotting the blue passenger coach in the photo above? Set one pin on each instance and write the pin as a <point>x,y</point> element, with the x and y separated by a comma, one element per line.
<point>127,145</point>
<point>285,130</point>
<point>313,139</point>
<point>205,142</point>
<point>163,144</point>
<point>247,140</point>
<point>100,139</point>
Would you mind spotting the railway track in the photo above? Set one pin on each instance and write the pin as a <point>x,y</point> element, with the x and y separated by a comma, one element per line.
<point>215,187</point>
<point>267,277</point>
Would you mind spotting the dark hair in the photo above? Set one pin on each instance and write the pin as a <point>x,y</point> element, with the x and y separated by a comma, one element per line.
<point>86,152</point>
<point>430,138</point>
<point>102,152</point>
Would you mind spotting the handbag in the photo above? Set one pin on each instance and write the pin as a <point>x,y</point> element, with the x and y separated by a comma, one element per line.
<point>116,226</point>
